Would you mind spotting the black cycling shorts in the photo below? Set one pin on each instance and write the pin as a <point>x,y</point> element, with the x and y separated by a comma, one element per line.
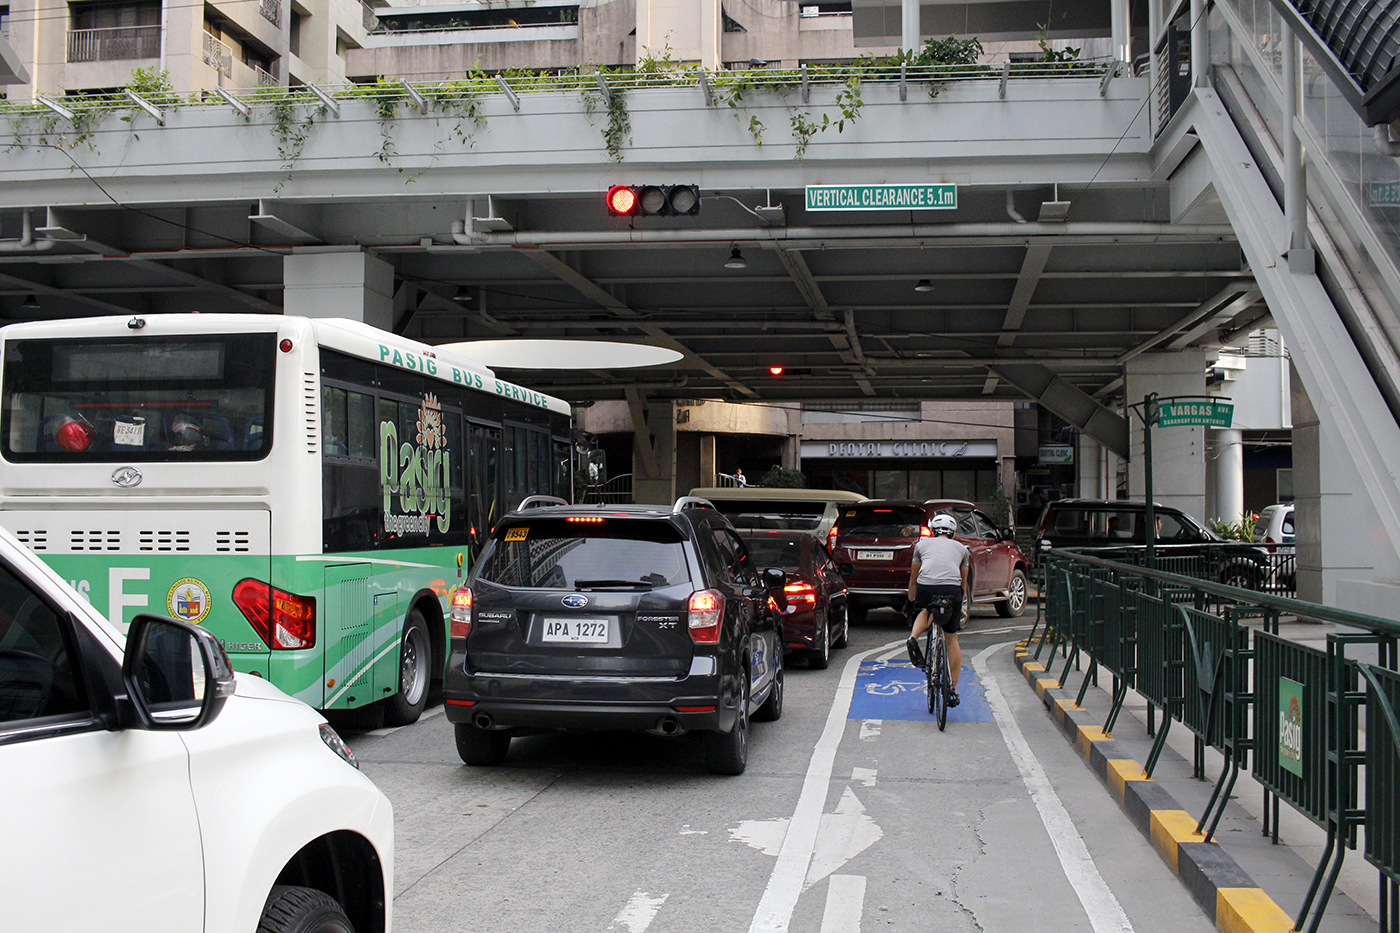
<point>944,603</point>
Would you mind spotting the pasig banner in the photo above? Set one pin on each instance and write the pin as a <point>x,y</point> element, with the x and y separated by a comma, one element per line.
<point>414,473</point>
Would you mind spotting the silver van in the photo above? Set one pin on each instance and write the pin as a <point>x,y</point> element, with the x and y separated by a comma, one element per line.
<point>750,508</point>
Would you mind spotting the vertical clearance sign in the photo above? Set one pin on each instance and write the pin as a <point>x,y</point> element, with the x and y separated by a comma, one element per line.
<point>882,197</point>
<point>1290,725</point>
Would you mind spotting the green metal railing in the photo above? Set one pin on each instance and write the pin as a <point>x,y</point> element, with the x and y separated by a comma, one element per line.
<point>1211,656</point>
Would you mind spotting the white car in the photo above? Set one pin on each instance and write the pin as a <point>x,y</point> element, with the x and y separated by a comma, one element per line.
<point>146,787</point>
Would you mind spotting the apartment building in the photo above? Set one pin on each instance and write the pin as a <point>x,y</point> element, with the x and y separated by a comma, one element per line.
<point>434,40</point>
<point>87,46</point>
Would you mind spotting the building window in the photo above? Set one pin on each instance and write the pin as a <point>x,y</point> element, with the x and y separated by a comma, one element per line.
<point>294,32</point>
<point>5,21</point>
<point>825,9</point>
<point>423,21</point>
<point>113,31</point>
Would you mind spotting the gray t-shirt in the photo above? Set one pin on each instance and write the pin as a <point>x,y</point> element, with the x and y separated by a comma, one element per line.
<point>940,559</point>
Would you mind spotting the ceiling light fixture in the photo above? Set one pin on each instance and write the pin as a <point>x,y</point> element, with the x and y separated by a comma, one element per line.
<point>924,285</point>
<point>31,303</point>
<point>736,260</point>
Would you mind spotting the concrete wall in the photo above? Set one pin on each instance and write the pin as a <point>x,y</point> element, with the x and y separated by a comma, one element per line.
<point>1178,454</point>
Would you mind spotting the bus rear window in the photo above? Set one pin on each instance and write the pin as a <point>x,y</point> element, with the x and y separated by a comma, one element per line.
<point>189,398</point>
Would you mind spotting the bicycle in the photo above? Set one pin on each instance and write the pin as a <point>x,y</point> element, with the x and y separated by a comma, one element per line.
<point>937,676</point>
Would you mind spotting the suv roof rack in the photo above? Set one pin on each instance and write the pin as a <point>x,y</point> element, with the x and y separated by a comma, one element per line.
<point>536,502</point>
<point>685,503</point>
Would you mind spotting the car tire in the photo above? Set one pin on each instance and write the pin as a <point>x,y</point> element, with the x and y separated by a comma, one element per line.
<point>302,910</point>
<point>728,752</point>
<point>1015,602</point>
<point>415,672</point>
<point>820,655</point>
<point>856,612</point>
<point>483,748</point>
<point>1246,578</point>
<point>844,638</point>
<point>772,708</point>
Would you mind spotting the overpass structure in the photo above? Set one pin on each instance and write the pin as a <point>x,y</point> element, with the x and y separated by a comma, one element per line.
<point>1090,235</point>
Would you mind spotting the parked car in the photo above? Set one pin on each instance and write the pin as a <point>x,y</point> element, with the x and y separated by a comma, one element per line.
<point>874,543</point>
<point>149,788</point>
<point>1186,546</point>
<point>815,619</point>
<point>1274,528</point>
<point>751,508</point>
<point>642,617</point>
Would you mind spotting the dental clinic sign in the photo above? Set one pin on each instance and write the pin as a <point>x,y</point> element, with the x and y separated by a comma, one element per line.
<point>895,449</point>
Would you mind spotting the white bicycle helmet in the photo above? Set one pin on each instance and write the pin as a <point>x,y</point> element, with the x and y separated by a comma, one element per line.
<point>944,524</point>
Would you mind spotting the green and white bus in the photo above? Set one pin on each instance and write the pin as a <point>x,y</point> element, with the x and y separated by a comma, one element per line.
<point>311,491</point>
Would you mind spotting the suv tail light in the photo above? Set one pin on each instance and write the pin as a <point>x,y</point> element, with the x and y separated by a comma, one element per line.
<point>705,617</point>
<point>461,621</point>
<point>285,621</point>
<point>801,592</point>
<point>1268,539</point>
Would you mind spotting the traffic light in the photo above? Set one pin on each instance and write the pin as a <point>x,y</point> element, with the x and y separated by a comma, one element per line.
<point>653,200</point>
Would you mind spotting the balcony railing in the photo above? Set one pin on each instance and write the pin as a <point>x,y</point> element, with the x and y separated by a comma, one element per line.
<point>370,20</point>
<point>265,78</point>
<point>271,11</point>
<point>113,44</point>
<point>218,56</point>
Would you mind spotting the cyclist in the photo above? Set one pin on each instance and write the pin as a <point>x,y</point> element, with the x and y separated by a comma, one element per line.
<point>938,574</point>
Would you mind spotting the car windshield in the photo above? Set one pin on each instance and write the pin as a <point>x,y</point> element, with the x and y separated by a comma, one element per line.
<point>139,399</point>
<point>606,553</point>
<point>775,552</point>
<point>900,521</point>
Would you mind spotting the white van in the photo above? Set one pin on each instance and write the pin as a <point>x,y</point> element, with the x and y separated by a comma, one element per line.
<point>149,788</point>
<point>756,507</point>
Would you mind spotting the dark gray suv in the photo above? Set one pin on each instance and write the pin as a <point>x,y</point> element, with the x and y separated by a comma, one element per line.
<point>645,617</point>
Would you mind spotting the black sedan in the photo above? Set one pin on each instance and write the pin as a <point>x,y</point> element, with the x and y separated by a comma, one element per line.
<point>815,619</point>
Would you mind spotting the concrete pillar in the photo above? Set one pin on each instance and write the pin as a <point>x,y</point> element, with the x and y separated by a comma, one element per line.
<point>1225,494</point>
<point>1178,454</point>
<point>1090,477</point>
<point>910,31</point>
<point>1120,27</point>
<point>354,285</point>
<point>707,460</point>
<point>656,485</point>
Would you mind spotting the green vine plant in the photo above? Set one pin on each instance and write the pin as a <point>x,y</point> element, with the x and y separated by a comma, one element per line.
<point>730,90</point>
<point>617,132</point>
<point>291,132</point>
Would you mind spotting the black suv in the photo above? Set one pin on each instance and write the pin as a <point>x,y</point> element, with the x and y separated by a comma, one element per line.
<point>646,617</point>
<point>1183,545</point>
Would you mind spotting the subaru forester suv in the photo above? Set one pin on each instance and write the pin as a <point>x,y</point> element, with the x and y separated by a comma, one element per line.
<point>644,617</point>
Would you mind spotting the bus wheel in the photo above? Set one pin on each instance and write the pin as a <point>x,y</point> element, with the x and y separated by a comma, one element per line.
<point>415,672</point>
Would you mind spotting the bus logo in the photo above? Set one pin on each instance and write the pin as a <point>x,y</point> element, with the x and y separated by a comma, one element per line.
<point>126,477</point>
<point>417,475</point>
<point>188,599</point>
<point>575,601</point>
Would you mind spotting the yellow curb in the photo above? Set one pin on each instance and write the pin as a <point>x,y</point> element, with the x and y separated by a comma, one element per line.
<point>1044,683</point>
<point>1061,709</point>
<point>1087,736</point>
<point>1169,828</point>
<point>1120,772</point>
<point>1249,910</point>
<point>1033,666</point>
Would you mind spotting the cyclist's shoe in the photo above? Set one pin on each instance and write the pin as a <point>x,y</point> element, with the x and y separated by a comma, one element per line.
<point>953,699</point>
<point>916,654</point>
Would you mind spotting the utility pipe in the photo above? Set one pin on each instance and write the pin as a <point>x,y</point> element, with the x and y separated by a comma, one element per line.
<point>26,242</point>
<point>1200,47</point>
<point>798,237</point>
<point>1295,206</point>
<point>1011,209</point>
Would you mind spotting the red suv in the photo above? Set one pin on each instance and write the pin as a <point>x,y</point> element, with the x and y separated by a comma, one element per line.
<point>874,541</point>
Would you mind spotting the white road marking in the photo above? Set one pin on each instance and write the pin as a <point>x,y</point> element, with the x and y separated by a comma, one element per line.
<point>865,776</point>
<point>785,883</point>
<point>637,915</point>
<point>997,631</point>
<point>843,835</point>
<point>870,729</point>
<point>424,718</point>
<point>845,902</point>
<point>1105,913</point>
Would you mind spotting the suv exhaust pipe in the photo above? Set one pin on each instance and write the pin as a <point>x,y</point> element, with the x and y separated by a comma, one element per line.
<point>666,725</point>
<point>483,721</point>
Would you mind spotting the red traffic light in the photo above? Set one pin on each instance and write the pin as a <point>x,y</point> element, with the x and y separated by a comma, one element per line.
<point>622,199</point>
<point>775,370</point>
<point>653,200</point>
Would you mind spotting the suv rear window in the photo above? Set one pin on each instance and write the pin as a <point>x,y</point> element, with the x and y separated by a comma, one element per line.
<point>765,513</point>
<point>782,552</point>
<point>901,521</point>
<point>557,553</point>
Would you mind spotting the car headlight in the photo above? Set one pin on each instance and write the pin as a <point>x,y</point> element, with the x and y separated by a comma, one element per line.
<point>336,744</point>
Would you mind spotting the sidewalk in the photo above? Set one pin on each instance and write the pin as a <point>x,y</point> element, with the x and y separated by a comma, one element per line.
<point>1241,880</point>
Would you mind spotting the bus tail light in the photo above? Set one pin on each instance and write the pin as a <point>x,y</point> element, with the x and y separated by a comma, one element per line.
<point>461,622</point>
<point>285,621</point>
<point>706,616</point>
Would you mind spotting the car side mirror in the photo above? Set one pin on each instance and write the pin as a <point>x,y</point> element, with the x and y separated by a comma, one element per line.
<point>775,582</point>
<point>1008,534</point>
<point>846,568</point>
<point>176,674</point>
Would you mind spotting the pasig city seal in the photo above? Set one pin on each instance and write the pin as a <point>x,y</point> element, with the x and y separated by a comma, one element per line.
<point>188,599</point>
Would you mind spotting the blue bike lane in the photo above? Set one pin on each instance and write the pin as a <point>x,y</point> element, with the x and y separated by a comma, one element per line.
<point>894,689</point>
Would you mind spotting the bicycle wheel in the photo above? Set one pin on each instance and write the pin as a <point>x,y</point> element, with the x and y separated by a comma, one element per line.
<point>938,681</point>
<point>931,644</point>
